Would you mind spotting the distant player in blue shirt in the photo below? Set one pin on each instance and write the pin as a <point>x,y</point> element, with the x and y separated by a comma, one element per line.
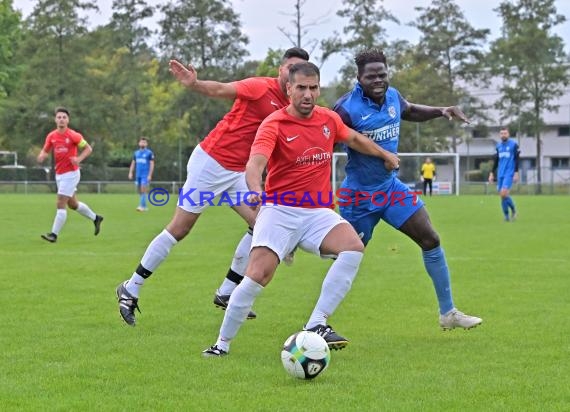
<point>506,169</point>
<point>375,110</point>
<point>143,163</point>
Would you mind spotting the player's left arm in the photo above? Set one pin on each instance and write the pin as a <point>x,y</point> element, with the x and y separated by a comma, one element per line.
<point>151,167</point>
<point>86,150</point>
<point>420,113</point>
<point>516,158</point>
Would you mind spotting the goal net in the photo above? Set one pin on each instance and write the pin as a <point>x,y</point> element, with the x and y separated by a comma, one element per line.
<point>446,164</point>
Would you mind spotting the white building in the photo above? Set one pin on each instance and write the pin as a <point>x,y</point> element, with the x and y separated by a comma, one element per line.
<point>555,141</point>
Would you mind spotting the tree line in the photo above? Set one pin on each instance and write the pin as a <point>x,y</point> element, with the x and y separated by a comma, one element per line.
<point>114,77</point>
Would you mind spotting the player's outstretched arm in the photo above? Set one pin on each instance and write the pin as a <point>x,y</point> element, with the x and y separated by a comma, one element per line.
<point>421,113</point>
<point>362,144</point>
<point>188,77</point>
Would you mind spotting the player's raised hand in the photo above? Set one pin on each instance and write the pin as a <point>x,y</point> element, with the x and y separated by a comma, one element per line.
<point>452,112</point>
<point>186,75</point>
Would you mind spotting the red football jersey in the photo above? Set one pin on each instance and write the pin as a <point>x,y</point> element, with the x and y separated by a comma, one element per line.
<point>300,154</point>
<point>230,141</point>
<point>64,146</point>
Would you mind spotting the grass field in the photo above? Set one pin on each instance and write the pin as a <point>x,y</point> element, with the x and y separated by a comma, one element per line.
<point>63,346</point>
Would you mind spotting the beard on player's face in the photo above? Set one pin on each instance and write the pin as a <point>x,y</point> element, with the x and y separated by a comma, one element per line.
<point>305,106</point>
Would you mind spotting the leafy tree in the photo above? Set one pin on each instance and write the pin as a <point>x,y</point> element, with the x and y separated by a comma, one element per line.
<point>365,29</point>
<point>10,33</point>
<point>416,79</point>
<point>127,24</point>
<point>53,74</point>
<point>204,32</point>
<point>270,65</point>
<point>531,61</point>
<point>56,26</point>
<point>453,48</point>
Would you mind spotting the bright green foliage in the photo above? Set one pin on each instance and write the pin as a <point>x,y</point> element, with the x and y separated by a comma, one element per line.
<point>270,66</point>
<point>10,32</point>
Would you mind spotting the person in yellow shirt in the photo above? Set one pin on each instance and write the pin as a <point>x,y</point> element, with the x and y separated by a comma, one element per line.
<point>428,175</point>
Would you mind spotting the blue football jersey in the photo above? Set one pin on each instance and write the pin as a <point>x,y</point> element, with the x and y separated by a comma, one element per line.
<point>142,158</point>
<point>507,152</point>
<point>381,124</point>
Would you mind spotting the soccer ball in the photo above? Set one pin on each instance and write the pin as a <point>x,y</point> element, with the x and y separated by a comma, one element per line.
<point>305,355</point>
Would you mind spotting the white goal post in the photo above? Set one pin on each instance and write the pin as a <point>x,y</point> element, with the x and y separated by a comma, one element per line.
<point>412,162</point>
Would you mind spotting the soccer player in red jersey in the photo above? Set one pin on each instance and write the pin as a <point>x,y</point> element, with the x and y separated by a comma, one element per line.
<point>64,143</point>
<point>216,167</point>
<point>296,144</point>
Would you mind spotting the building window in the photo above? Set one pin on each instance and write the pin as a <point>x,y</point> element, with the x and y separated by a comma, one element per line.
<point>564,131</point>
<point>528,164</point>
<point>560,162</point>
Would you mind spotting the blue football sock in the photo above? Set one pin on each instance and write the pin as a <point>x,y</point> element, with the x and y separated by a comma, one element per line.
<point>505,206</point>
<point>511,204</point>
<point>436,266</point>
<point>143,200</point>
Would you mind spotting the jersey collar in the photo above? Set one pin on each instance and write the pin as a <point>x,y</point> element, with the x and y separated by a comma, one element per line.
<point>368,100</point>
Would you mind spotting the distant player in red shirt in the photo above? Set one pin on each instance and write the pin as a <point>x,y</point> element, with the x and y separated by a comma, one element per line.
<point>216,167</point>
<point>296,144</point>
<point>64,143</point>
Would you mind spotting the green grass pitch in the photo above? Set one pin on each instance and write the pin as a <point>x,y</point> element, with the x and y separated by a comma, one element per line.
<point>64,347</point>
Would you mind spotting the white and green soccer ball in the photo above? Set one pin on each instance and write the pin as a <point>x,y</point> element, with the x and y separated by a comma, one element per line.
<point>305,355</point>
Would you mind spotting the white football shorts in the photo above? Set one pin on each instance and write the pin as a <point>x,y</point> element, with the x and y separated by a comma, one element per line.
<point>67,183</point>
<point>282,228</point>
<point>208,183</point>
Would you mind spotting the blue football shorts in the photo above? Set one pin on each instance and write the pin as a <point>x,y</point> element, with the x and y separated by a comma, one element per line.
<point>394,204</point>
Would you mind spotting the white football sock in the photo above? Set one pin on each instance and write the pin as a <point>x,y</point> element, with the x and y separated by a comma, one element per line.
<point>59,220</point>
<point>134,284</point>
<point>239,263</point>
<point>84,210</point>
<point>158,250</point>
<point>336,285</point>
<point>239,306</point>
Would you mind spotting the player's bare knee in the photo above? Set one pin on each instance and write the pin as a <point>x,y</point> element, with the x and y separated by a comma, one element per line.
<point>179,228</point>
<point>259,272</point>
<point>430,241</point>
<point>354,245</point>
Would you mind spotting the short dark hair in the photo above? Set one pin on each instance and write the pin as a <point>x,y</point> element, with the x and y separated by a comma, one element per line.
<point>295,52</point>
<point>369,56</point>
<point>503,128</point>
<point>305,68</point>
<point>61,109</point>
<point>143,138</point>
